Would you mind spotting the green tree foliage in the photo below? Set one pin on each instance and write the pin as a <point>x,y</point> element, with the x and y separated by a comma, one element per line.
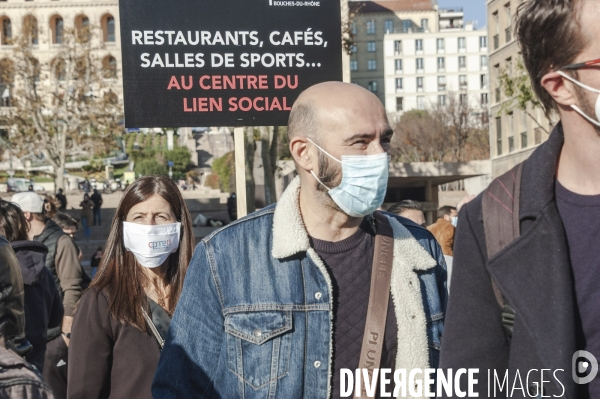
<point>224,168</point>
<point>150,167</point>
<point>181,158</point>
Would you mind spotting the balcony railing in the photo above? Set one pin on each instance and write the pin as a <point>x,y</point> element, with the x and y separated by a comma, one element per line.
<point>463,86</point>
<point>496,42</point>
<point>6,47</point>
<point>508,32</point>
<point>56,46</point>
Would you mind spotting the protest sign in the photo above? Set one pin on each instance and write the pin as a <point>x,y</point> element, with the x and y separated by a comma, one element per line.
<point>224,62</point>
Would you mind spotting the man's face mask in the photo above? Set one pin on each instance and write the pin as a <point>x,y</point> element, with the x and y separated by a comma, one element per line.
<point>588,88</point>
<point>364,182</point>
<point>151,244</point>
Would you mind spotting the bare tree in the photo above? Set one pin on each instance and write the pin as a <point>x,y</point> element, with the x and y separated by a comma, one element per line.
<point>65,107</point>
<point>450,132</point>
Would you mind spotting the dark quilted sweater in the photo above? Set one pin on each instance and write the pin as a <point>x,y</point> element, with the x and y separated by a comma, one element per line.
<point>349,263</point>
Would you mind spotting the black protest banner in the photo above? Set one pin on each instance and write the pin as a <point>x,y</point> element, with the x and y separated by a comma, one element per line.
<point>224,62</point>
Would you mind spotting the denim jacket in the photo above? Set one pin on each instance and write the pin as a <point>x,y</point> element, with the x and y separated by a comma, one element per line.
<point>255,316</point>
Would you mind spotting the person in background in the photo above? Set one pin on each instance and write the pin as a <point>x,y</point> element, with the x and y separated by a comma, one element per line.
<point>95,261</point>
<point>232,207</point>
<point>97,200</point>
<point>444,229</point>
<point>62,199</point>
<point>124,316</point>
<point>43,304</point>
<point>409,209</point>
<point>18,378</point>
<point>69,225</point>
<point>63,262</point>
<point>86,215</point>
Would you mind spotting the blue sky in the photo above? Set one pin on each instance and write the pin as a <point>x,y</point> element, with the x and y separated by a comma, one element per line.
<point>474,9</point>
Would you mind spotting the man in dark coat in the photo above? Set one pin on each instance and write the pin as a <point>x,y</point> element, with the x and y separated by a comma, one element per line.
<point>549,275</point>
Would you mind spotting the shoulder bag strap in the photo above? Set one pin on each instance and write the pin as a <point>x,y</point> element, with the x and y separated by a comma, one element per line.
<point>372,345</point>
<point>159,338</point>
<point>501,224</point>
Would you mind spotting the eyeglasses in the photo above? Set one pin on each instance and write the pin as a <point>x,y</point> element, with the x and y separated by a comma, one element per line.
<point>581,64</point>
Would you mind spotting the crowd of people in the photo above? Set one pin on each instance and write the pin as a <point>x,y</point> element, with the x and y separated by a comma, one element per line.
<point>279,303</point>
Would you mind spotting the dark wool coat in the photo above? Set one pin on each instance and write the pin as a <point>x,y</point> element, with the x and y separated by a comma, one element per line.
<point>534,275</point>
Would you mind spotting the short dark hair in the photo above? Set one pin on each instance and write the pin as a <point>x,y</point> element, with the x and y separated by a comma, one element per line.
<point>445,210</point>
<point>549,35</point>
<point>64,220</point>
<point>403,206</point>
<point>13,224</point>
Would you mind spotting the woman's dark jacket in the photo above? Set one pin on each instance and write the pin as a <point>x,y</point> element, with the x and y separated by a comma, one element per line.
<point>110,359</point>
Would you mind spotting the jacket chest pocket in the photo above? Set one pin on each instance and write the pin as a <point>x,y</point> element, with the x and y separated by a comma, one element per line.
<point>258,345</point>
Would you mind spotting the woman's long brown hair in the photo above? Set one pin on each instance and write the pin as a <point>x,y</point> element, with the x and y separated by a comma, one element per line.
<point>120,276</point>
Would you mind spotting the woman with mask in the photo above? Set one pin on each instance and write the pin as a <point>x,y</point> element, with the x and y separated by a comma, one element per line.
<point>122,319</point>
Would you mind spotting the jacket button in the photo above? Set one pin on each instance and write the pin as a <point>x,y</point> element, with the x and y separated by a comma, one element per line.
<point>318,295</point>
<point>317,364</point>
<point>257,333</point>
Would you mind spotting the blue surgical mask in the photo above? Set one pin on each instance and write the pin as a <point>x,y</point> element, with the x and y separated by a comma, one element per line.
<point>364,183</point>
<point>454,221</point>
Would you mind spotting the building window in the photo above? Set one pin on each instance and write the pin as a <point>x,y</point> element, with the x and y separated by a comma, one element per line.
<point>462,82</point>
<point>441,64</point>
<point>6,31</point>
<point>511,144</point>
<point>419,62</point>
<point>399,84</point>
<point>371,47</point>
<point>420,83</point>
<point>398,65</point>
<point>440,45</point>
<point>482,42</point>
<point>524,140</point>
<point>397,47</point>
<point>354,65</point>
<point>441,83</point>
<point>58,30</point>
<point>499,136</point>
<point>484,99</point>
<point>462,62</point>
<point>372,65</point>
<point>389,26</point>
<point>419,44</point>
<point>425,24</point>
<point>462,43</point>
<point>371,27</point>
<point>509,66</point>
<point>353,49</point>
<point>373,87</point>
<point>110,67</point>
<point>406,25</point>
<point>353,27</point>
<point>399,104</point>
<point>60,70</point>
<point>108,28</point>
<point>484,82</point>
<point>30,28</point>
<point>484,62</point>
<point>82,25</point>
<point>442,100</point>
<point>463,99</point>
<point>420,102</point>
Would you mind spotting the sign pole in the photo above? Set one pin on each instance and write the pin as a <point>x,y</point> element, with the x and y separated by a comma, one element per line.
<point>240,172</point>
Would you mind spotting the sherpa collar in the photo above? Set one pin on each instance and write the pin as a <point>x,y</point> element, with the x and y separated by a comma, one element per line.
<point>290,236</point>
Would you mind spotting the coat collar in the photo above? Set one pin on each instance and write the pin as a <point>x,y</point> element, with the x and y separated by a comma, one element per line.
<point>290,236</point>
<point>540,173</point>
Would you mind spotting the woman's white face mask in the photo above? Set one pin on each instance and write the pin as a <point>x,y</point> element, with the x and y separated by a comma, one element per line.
<point>151,244</point>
